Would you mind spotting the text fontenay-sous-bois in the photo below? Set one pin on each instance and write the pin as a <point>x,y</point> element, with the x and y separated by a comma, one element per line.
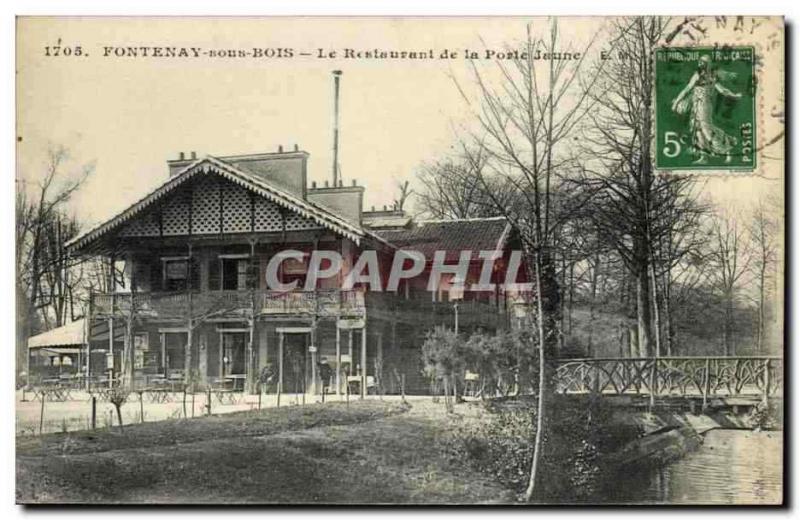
<point>347,53</point>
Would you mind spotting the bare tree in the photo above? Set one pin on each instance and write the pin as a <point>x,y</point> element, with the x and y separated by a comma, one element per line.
<point>404,192</point>
<point>525,121</point>
<point>730,258</point>
<point>622,172</point>
<point>453,188</point>
<point>62,275</point>
<point>763,236</point>
<point>43,285</point>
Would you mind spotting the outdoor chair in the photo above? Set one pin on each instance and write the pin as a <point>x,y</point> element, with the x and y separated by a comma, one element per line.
<point>472,384</point>
<point>354,384</point>
<point>175,380</point>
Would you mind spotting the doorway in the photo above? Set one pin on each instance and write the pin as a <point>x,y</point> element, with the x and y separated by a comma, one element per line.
<point>295,362</point>
<point>233,353</point>
<point>174,352</point>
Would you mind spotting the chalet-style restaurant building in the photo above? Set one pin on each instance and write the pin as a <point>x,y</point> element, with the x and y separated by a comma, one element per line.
<point>192,296</point>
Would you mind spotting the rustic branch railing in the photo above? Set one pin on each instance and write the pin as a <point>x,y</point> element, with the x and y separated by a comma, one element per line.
<point>323,302</point>
<point>672,376</point>
<point>326,302</point>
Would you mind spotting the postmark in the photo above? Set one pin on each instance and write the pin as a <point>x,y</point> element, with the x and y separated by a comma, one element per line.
<point>705,109</point>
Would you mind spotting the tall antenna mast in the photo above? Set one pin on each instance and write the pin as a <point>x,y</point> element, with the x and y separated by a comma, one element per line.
<point>336,75</point>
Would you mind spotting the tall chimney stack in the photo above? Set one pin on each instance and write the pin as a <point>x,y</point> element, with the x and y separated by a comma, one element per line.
<point>336,75</point>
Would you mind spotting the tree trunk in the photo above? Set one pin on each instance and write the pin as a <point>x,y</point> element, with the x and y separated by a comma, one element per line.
<point>540,406</point>
<point>119,417</point>
<point>561,305</point>
<point>656,313</point>
<point>668,328</point>
<point>761,308</point>
<point>730,348</point>
<point>571,295</point>
<point>644,330</point>
<point>548,288</point>
<point>127,355</point>
<point>592,304</point>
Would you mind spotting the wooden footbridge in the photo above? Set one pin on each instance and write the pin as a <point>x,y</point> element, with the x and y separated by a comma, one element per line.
<point>702,378</point>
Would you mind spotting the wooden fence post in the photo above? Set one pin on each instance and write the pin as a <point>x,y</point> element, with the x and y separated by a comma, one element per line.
<point>766,381</point>
<point>94,412</point>
<point>653,382</point>
<point>43,396</point>
<point>347,390</point>
<point>706,383</point>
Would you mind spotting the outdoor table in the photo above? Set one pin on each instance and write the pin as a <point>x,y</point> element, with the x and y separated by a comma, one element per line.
<point>225,390</point>
<point>237,381</point>
<point>160,390</point>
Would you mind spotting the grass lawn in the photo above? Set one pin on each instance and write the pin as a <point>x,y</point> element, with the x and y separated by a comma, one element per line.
<point>370,452</point>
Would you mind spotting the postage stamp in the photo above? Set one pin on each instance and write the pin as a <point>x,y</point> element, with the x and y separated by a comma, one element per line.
<point>705,108</point>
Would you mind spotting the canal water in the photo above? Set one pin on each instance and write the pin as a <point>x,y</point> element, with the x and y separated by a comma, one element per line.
<point>730,467</point>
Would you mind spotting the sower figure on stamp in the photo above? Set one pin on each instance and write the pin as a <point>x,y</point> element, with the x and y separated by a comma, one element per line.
<point>707,138</point>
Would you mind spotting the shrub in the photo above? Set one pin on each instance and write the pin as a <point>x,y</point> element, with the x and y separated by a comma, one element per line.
<point>765,417</point>
<point>443,358</point>
<point>499,445</point>
<point>505,361</point>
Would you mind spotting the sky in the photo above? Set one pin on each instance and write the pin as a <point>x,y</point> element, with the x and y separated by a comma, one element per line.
<point>130,115</point>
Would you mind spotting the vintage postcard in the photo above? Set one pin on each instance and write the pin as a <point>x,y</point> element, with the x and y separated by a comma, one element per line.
<point>331,260</point>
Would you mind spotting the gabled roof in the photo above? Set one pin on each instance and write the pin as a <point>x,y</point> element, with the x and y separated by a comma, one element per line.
<point>247,180</point>
<point>452,236</point>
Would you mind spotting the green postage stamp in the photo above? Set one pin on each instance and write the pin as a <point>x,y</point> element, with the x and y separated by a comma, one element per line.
<point>705,108</point>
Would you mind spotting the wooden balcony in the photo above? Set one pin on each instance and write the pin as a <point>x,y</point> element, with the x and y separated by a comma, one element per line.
<point>421,310</point>
<point>197,304</point>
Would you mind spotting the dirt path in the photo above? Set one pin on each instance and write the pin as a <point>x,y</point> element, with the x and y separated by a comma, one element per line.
<point>332,455</point>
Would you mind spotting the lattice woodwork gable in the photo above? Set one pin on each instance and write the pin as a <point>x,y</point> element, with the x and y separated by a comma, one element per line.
<point>144,225</point>
<point>175,214</point>
<point>205,205</point>
<point>215,205</point>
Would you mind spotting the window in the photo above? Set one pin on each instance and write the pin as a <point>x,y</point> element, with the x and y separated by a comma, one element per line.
<point>235,273</point>
<point>141,346</point>
<point>175,351</point>
<point>176,273</point>
<point>292,269</point>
